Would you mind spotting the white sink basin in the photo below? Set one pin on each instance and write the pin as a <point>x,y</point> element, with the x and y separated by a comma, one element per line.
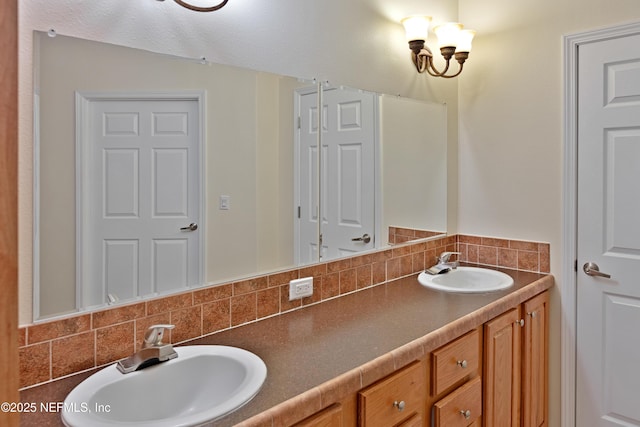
<point>467,280</point>
<point>203,383</point>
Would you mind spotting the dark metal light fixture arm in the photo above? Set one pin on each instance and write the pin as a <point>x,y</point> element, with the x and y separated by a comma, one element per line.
<point>202,9</point>
<point>433,71</point>
<point>423,61</point>
<point>442,73</point>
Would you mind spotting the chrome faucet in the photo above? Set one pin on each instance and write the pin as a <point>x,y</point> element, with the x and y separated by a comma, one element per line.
<point>443,260</point>
<point>444,265</point>
<point>153,351</point>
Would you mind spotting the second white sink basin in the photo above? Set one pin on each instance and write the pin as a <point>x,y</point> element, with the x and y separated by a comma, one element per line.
<point>202,384</point>
<point>467,280</point>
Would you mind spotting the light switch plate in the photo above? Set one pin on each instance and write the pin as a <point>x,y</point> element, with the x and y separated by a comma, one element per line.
<point>224,203</point>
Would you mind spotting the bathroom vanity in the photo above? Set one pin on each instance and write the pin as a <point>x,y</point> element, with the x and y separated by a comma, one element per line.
<point>393,354</point>
<point>496,372</point>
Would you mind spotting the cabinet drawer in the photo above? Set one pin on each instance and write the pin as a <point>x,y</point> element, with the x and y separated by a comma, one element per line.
<point>455,361</point>
<point>460,408</point>
<point>415,421</point>
<point>329,417</point>
<point>394,399</point>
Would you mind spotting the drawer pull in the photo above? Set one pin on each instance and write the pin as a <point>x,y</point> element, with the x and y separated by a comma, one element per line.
<point>399,405</point>
<point>466,414</point>
<point>462,363</point>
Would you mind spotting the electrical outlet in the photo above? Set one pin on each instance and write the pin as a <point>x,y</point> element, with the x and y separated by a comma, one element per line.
<point>300,288</point>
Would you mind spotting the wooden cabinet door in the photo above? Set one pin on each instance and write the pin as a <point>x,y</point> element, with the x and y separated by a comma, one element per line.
<point>502,370</point>
<point>535,361</point>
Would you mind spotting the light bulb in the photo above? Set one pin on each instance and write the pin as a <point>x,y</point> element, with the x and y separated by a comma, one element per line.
<point>416,27</point>
<point>448,34</point>
<point>464,40</point>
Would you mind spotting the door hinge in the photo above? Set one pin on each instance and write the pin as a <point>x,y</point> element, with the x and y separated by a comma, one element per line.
<point>299,212</point>
<point>575,265</point>
<point>299,122</point>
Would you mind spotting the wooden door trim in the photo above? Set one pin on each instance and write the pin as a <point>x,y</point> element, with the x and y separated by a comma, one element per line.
<point>9,371</point>
<point>568,290</point>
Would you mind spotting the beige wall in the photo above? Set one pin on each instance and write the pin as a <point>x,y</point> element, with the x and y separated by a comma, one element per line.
<point>511,129</point>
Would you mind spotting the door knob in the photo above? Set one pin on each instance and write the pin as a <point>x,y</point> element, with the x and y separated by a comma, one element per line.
<point>592,269</point>
<point>191,227</point>
<point>365,238</point>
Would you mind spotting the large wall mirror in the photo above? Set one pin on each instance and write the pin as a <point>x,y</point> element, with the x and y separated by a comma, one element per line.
<point>224,162</point>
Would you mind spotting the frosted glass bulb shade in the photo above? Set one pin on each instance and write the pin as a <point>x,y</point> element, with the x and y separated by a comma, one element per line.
<point>416,27</point>
<point>448,34</point>
<point>464,40</point>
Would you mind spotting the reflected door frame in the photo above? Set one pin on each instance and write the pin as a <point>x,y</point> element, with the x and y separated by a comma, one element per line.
<point>83,101</point>
<point>306,212</point>
<point>313,122</point>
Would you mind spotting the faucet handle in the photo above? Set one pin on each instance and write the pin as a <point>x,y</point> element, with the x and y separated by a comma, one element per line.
<point>444,256</point>
<point>153,336</point>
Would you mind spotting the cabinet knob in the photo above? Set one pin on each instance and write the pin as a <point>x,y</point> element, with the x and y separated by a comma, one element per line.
<point>466,414</point>
<point>462,363</point>
<point>533,314</point>
<point>399,405</point>
<point>520,322</point>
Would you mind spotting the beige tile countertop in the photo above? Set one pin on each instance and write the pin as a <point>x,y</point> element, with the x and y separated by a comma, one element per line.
<point>320,354</point>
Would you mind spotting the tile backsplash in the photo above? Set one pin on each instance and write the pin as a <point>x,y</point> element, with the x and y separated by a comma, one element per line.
<point>399,235</point>
<point>61,347</point>
<point>514,254</point>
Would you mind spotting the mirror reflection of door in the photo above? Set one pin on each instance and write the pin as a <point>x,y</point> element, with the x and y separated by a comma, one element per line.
<point>347,185</point>
<point>140,198</point>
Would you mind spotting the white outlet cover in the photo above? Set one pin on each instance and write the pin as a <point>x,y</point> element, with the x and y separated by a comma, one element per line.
<point>300,288</point>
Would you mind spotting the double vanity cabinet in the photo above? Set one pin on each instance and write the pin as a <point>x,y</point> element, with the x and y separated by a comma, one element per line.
<point>493,375</point>
<point>395,354</point>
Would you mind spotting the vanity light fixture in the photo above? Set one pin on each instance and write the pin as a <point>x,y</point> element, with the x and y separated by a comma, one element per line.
<point>201,8</point>
<point>453,40</point>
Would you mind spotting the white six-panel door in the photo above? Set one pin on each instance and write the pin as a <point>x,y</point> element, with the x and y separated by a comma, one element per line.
<point>608,232</point>
<point>337,205</point>
<point>347,186</point>
<point>140,193</point>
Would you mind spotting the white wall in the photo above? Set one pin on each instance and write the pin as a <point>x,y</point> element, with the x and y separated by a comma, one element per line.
<point>414,144</point>
<point>511,109</point>
<point>510,142</point>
